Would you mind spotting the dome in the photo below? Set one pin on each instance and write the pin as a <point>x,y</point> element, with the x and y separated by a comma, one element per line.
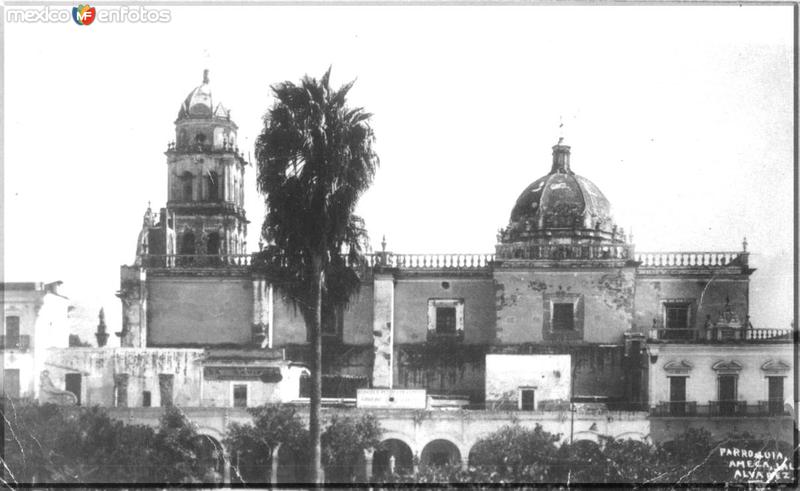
<point>560,204</point>
<point>199,103</point>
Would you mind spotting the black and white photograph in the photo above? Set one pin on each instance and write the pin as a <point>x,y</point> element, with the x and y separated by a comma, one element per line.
<point>287,244</point>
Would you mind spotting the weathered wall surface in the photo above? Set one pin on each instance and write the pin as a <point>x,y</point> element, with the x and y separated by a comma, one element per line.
<point>596,370</point>
<point>98,368</point>
<point>701,384</point>
<point>448,368</point>
<point>707,295</point>
<point>548,375</point>
<point>411,306</point>
<point>290,328</point>
<point>219,393</point>
<point>194,310</point>
<point>606,302</point>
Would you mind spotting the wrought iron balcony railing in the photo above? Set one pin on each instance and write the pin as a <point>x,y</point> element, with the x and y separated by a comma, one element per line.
<point>772,407</point>
<point>21,342</point>
<point>727,408</point>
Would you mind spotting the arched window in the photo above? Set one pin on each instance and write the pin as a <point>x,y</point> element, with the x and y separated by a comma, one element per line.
<point>187,244</point>
<point>186,186</point>
<point>212,185</point>
<point>212,246</point>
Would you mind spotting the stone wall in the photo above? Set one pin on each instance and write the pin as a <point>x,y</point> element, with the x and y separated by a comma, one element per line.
<point>411,306</point>
<point>708,296</point>
<point>605,301</point>
<point>701,384</point>
<point>199,311</point>
<point>99,367</point>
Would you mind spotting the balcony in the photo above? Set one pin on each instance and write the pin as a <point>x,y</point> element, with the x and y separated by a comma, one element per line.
<point>171,261</point>
<point>723,408</point>
<point>722,335</point>
<point>22,342</point>
<point>727,408</point>
<point>564,252</point>
<point>772,407</point>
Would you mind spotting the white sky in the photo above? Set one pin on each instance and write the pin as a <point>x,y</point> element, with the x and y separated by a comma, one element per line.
<point>681,115</point>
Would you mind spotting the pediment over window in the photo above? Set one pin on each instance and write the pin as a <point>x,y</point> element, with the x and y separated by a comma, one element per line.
<point>727,366</point>
<point>775,366</point>
<point>675,366</point>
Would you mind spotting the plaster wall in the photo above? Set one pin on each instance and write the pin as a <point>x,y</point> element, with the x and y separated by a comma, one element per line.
<point>98,366</point>
<point>548,375</point>
<point>197,311</point>
<point>708,297</point>
<point>411,306</point>
<point>606,295</point>
<point>701,384</point>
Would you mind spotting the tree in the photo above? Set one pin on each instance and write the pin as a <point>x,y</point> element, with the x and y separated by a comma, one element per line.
<point>177,450</point>
<point>343,445</point>
<point>252,444</point>
<point>315,159</point>
<point>517,454</point>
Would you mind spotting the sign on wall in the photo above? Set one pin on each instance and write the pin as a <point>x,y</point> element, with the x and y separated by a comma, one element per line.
<point>264,374</point>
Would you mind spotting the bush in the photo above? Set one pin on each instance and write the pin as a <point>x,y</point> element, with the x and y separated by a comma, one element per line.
<point>343,445</point>
<point>517,454</point>
<point>251,445</point>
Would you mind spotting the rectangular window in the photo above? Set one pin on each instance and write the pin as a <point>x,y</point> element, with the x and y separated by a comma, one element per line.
<point>240,395</point>
<point>727,394</point>
<point>332,319</point>
<point>677,395</point>
<point>775,395</point>
<point>72,383</point>
<point>121,390</point>
<point>676,321</point>
<point>146,402</point>
<point>165,383</point>
<point>563,317</point>
<point>12,332</point>
<point>527,399</point>
<point>11,386</point>
<point>445,320</point>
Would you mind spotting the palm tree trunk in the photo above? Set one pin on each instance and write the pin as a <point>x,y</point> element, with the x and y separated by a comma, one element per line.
<point>315,428</point>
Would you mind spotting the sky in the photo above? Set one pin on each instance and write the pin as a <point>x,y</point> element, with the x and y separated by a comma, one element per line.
<point>682,116</point>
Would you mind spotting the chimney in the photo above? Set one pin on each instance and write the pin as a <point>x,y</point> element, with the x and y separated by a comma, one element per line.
<point>561,158</point>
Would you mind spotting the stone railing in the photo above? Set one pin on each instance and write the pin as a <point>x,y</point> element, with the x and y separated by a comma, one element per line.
<point>430,261</point>
<point>195,260</point>
<point>768,334</point>
<point>560,252</point>
<point>688,259</point>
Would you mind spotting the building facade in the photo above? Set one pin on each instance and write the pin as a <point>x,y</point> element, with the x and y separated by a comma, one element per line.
<point>564,318</point>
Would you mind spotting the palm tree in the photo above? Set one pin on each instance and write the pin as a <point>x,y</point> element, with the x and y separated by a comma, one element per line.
<point>315,159</point>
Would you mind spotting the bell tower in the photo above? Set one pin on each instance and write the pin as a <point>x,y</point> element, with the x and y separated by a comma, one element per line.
<point>205,183</point>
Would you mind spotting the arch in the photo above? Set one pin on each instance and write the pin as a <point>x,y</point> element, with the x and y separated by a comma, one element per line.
<point>212,186</point>
<point>212,244</point>
<point>585,436</point>
<point>187,243</point>
<point>292,466</point>
<point>392,456</point>
<point>633,435</point>
<point>187,185</point>
<point>440,452</point>
<point>211,455</point>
